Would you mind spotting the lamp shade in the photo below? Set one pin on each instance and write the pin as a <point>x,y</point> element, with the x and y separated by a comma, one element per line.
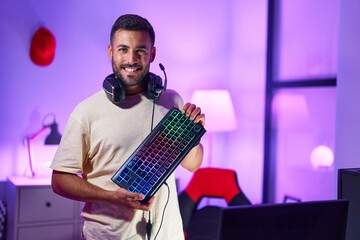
<point>54,136</point>
<point>218,109</point>
<point>322,157</point>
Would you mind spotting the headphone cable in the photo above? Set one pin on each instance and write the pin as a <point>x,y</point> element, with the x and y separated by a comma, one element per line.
<point>152,116</point>
<point>149,224</point>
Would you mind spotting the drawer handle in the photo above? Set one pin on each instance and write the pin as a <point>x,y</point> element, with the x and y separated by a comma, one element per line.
<point>48,204</point>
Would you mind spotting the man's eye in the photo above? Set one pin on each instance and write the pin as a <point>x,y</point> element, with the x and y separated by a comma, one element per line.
<point>141,51</point>
<point>122,50</point>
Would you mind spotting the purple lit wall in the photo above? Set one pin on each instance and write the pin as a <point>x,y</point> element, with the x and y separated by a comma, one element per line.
<point>347,152</point>
<point>202,44</point>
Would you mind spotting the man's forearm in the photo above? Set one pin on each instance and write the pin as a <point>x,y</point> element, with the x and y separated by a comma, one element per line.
<point>76,188</point>
<point>193,159</point>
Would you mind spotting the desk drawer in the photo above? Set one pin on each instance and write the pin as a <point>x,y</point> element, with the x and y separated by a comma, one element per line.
<point>42,204</point>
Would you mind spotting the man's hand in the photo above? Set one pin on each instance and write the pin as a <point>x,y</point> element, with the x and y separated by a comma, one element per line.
<point>194,113</point>
<point>74,187</point>
<point>193,159</point>
<point>131,200</point>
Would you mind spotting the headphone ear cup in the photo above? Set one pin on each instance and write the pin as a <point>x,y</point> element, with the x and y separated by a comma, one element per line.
<point>155,86</point>
<point>114,88</point>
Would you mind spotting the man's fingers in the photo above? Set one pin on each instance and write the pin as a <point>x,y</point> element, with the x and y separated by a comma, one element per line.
<point>191,110</point>
<point>135,196</point>
<point>140,196</point>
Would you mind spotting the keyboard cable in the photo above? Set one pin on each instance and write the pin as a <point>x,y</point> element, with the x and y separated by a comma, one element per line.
<point>163,213</point>
<point>149,227</point>
<point>149,224</point>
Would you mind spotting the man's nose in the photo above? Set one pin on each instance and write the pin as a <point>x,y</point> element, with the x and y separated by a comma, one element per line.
<point>133,57</point>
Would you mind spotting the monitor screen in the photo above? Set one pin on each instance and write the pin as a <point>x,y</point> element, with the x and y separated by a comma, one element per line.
<point>316,220</point>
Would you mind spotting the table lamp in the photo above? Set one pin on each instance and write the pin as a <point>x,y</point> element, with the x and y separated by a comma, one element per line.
<point>219,112</point>
<point>53,138</point>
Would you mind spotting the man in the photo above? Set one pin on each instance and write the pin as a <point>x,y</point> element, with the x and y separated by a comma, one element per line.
<point>100,135</point>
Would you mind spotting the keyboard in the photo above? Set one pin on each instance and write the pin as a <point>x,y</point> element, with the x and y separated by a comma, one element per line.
<point>159,154</point>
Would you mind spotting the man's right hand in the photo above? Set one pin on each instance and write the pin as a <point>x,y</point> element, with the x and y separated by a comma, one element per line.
<point>131,200</point>
<point>76,188</point>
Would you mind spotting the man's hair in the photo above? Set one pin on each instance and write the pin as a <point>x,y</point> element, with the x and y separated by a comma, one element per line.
<point>132,22</point>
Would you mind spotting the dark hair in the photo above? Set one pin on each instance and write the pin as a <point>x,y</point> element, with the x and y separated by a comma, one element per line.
<point>133,22</point>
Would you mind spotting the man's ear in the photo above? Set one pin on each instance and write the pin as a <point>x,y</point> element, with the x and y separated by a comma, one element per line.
<point>153,54</point>
<point>110,51</point>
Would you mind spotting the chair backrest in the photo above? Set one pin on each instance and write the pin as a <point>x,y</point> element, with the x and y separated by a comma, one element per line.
<point>210,182</point>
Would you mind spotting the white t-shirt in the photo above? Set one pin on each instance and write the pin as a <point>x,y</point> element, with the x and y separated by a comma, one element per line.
<point>98,138</point>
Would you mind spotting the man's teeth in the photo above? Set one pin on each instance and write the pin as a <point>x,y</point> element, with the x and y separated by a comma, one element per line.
<point>130,69</point>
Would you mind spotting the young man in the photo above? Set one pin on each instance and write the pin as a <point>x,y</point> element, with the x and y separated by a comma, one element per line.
<point>100,135</point>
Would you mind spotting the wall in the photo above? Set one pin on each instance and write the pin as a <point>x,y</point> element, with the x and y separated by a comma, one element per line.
<point>347,152</point>
<point>202,44</point>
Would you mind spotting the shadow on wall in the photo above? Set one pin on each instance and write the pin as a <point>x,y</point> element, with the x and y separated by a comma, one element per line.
<point>2,190</point>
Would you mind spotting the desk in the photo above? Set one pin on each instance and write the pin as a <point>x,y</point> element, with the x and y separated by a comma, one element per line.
<point>34,211</point>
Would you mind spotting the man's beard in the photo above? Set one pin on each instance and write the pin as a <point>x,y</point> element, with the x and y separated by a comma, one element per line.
<point>134,80</point>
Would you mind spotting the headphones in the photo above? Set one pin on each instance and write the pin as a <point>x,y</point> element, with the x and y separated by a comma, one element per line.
<point>115,88</point>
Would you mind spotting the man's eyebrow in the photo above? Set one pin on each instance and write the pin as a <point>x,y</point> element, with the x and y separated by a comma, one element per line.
<point>141,46</point>
<point>126,46</point>
<point>122,46</point>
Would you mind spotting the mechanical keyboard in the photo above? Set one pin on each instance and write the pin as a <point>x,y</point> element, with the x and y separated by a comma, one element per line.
<point>159,154</point>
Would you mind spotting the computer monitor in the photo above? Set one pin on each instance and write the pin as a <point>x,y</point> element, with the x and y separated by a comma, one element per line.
<point>349,189</point>
<point>304,220</point>
<point>315,220</point>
